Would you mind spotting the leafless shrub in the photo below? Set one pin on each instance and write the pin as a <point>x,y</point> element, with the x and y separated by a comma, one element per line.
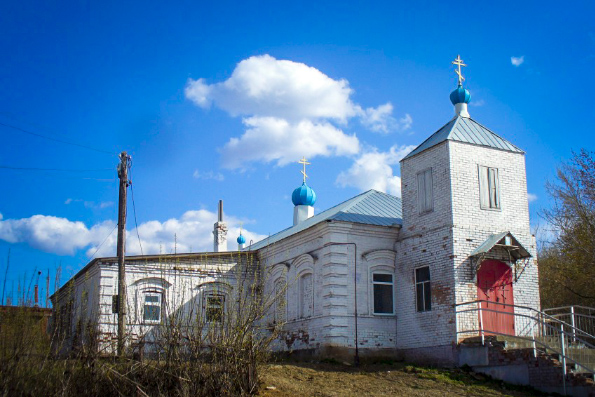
<point>196,350</point>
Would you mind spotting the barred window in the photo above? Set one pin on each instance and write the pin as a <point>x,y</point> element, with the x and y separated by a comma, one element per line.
<point>214,307</point>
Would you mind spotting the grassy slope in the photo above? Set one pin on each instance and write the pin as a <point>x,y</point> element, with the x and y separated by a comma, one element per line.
<point>379,380</point>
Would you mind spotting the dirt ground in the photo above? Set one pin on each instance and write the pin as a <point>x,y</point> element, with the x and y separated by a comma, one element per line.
<point>336,379</point>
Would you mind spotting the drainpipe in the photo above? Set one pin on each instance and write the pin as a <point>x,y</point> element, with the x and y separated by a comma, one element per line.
<point>356,358</point>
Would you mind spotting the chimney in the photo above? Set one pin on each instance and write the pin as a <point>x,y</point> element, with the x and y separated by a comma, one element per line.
<point>36,295</point>
<point>220,231</point>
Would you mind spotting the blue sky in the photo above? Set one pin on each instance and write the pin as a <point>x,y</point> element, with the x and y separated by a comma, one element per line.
<point>218,100</point>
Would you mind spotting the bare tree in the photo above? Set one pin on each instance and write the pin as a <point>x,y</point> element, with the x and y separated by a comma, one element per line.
<point>567,264</point>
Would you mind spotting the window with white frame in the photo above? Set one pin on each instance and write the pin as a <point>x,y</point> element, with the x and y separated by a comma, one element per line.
<point>425,193</point>
<point>423,289</point>
<point>214,305</point>
<point>489,188</point>
<point>152,307</point>
<point>383,293</point>
<point>306,296</point>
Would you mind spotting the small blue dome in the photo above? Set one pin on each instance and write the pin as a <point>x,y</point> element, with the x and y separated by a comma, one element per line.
<point>460,95</point>
<point>241,239</point>
<point>303,195</point>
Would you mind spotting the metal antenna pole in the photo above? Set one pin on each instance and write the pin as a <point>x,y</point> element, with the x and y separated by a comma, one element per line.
<point>123,175</point>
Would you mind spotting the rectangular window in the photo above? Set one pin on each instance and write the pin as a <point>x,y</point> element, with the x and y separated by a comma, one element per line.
<point>425,192</point>
<point>489,189</point>
<point>423,289</point>
<point>152,308</point>
<point>214,308</point>
<point>383,293</point>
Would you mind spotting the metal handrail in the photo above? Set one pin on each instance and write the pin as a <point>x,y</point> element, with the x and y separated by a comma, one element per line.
<point>591,309</point>
<point>543,321</point>
<point>542,314</point>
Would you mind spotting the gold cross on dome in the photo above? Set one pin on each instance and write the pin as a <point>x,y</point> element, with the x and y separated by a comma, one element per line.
<point>459,63</point>
<point>304,162</point>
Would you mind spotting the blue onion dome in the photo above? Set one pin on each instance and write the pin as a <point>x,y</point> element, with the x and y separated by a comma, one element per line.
<point>303,195</point>
<point>460,95</point>
<point>241,239</point>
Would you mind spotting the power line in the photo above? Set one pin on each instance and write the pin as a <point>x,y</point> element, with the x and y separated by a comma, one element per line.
<point>134,211</point>
<point>92,256</point>
<point>55,139</point>
<point>51,169</point>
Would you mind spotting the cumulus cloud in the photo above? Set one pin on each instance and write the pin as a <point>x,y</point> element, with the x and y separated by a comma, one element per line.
<point>374,170</point>
<point>531,197</point>
<point>380,119</point>
<point>517,61</point>
<point>288,102</point>
<point>192,231</point>
<point>265,86</point>
<point>217,176</point>
<point>53,234</point>
<point>270,139</point>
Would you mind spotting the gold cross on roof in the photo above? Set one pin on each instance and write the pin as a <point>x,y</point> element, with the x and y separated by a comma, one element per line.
<point>459,63</point>
<point>304,162</point>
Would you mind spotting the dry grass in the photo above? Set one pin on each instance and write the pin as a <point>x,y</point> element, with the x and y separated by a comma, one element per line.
<point>398,379</point>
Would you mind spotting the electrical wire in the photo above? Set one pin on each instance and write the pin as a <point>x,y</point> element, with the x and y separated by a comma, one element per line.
<point>55,139</point>
<point>92,256</point>
<point>8,167</point>
<point>134,211</point>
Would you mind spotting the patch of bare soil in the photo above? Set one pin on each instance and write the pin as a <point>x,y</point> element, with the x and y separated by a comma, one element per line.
<point>398,379</point>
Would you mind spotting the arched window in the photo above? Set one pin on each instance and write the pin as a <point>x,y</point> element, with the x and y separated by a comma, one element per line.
<point>381,266</point>
<point>149,296</point>
<point>214,301</point>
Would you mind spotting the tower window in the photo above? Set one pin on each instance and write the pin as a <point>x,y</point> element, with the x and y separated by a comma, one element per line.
<point>383,293</point>
<point>489,188</point>
<point>423,289</point>
<point>425,192</point>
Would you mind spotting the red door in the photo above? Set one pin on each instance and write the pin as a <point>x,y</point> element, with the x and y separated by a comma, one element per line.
<point>494,286</point>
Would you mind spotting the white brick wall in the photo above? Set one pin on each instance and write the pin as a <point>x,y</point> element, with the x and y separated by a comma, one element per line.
<point>444,238</point>
<point>441,239</point>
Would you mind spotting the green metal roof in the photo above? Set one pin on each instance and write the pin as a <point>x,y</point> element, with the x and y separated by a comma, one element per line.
<point>516,250</point>
<point>466,130</point>
<point>371,208</point>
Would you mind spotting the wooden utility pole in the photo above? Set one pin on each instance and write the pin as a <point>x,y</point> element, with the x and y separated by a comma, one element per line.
<point>123,175</point>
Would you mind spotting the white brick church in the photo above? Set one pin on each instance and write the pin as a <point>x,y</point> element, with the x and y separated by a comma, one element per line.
<point>374,275</point>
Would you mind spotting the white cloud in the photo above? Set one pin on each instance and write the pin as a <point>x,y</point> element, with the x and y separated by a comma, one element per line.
<point>53,234</point>
<point>64,237</point>
<point>374,170</point>
<point>270,139</point>
<point>478,103</point>
<point>217,176</point>
<point>90,204</point>
<point>380,119</point>
<point>285,104</point>
<point>531,197</point>
<point>517,61</point>
<point>265,86</point>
